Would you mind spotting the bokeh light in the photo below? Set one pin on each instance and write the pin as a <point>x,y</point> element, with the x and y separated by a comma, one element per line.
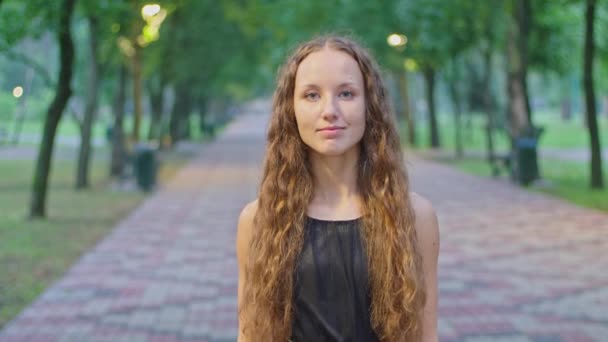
<point>396,40</point>
<point>18,91</point>
<point>150,10</point>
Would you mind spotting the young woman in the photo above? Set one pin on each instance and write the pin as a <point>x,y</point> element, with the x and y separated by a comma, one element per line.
<point>336,247</point>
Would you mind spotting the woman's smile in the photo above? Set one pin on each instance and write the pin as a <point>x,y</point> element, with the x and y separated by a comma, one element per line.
<point>331,132</point>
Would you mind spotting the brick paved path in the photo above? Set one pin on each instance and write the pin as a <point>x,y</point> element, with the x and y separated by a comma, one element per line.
<point>168,272</point>
<point>514,266</point>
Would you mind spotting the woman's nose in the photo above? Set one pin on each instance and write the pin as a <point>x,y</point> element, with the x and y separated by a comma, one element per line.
<point>330,109</point>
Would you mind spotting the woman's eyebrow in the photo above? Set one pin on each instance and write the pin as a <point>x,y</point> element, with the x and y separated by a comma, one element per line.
<point>308,85</point>
<point>343,84</point>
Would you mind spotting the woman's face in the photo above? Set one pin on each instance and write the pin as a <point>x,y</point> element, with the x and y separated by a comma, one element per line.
<point>329,102</point>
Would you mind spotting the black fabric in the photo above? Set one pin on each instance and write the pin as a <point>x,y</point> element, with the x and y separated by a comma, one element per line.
<point>331,293</point>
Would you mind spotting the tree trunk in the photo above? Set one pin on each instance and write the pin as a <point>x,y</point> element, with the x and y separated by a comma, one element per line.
<point>457,108</point>
<point>156,104</point>
<point>174,120</point>
<point>54,112</point>
<point>524,16</point>
<point>179,122</point>
<point>118,140</point>
<point>468,126</point>
<point>184,123</point>
<point>519,106</point>
<point>429,77</point>
<point>406,108</point>
<point>137,85</point>
<point>566,108</point>
<point>517,64</point>
<point>84,154</point>
<point>474,81</point>
<point>597,181</point>
<point>488,107</point>
<point>202,114</point>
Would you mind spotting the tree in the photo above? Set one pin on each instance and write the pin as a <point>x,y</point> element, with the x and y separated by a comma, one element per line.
<point>597,181</point>
<point>100,55</point>
<point>406,107</point>
<point>90,112</point>
<point>425,24</point>
<point>20,24</point>
<point>486,32</point>
<point>517,60</point>
<point>55,110</point>
<point>517,85</point>
<point>229,68</point>
<point>118,154</point>
<point>453,76</point>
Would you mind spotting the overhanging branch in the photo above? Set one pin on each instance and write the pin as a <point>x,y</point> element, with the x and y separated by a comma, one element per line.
<point>29,62</point>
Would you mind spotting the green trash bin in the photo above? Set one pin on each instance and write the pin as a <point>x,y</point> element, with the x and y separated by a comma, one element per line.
<point>145,167</point>
<point>109,134</point>
<point>527,160</point>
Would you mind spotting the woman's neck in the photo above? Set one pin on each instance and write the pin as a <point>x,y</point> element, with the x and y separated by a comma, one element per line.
<point>335,180</point>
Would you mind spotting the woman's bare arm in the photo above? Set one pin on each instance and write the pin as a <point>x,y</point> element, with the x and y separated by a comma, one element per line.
<point>427,231</point>
<point>243,239</point>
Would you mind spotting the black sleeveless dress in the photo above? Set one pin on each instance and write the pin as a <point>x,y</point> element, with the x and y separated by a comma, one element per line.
<point>331,292</point>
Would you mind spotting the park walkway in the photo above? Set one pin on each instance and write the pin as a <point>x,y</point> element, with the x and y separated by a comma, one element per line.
<point>514,266</point>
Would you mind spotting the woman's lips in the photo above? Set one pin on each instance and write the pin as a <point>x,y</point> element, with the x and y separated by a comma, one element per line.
<point>331,132</point>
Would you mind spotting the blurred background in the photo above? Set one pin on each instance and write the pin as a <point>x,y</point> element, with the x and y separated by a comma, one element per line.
<point>102,99</point>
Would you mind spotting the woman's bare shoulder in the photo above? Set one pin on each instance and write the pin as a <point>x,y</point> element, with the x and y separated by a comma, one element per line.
<point>248,212</point>
<point>244,230</point>
<point>421,204</point>
<point>427,226</point>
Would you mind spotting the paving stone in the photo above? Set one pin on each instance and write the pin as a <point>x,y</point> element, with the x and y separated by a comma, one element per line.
<point>514,265</point>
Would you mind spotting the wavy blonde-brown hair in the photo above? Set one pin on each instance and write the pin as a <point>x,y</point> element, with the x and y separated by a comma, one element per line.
<point>395,272</point>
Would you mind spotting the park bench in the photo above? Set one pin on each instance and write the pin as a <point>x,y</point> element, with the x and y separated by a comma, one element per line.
<point>502,162</point>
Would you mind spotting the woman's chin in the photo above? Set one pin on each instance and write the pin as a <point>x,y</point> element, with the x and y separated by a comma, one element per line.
<point>333,151</point>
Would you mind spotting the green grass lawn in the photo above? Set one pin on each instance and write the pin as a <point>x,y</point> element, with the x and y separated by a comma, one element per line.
<point>566,180</point>
<point>68,128</point>
<point>570,134</point>
<point>33,254</point>
<point>557,133</point>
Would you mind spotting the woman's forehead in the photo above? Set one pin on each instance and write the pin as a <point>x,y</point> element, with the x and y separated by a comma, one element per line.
<point>328,67</point>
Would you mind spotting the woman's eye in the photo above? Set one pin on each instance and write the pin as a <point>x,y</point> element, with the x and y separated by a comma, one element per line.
<point>346,94</point>
<point>311,96</point>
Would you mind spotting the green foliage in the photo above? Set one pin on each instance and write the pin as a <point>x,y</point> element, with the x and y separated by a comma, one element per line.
<point>12,18</point>
<point>37,106</point>
<point>19,19</point>
<point>601,28</point>
<point>556,36</point>
<point>202,48</point>
<point>440,30</point>
<point>8,104</point>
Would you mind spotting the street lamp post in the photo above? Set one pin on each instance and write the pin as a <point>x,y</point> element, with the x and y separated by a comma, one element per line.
<point>19,113</point>
<point>153,15</point>
<point>398,42</point>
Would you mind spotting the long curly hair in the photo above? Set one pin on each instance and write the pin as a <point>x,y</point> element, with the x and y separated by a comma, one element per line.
<point>396,278</point>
